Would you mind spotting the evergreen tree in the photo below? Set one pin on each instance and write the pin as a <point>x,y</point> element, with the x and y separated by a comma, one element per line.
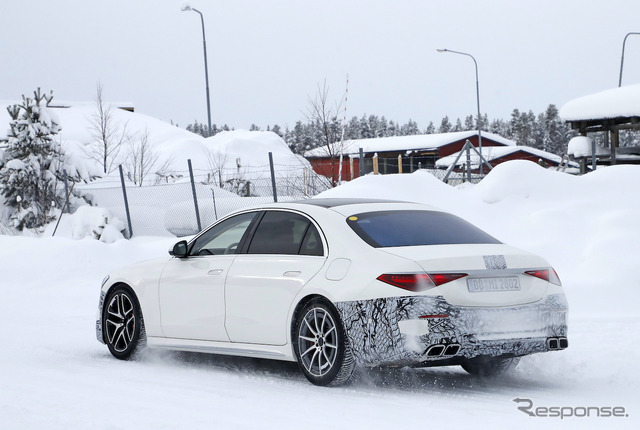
<point>445,125</point>
<point>469,123</point>
<point>410,128</point>
<point>431,129</point>
<point>29,178</point>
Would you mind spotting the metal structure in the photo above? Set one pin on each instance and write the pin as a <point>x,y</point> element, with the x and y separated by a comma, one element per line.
<point>622,57</point>
<point>206,69</point>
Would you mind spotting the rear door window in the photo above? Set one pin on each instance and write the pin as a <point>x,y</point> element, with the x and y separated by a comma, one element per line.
<point>414,228</point>
<point>288,233</point>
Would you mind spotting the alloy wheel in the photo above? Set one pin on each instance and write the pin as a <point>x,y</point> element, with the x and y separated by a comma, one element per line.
<point>318,342</point>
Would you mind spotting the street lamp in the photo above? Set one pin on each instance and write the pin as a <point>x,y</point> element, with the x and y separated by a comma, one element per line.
<point>477,99</point>
<point>186,8</point>
<point>622,57</point>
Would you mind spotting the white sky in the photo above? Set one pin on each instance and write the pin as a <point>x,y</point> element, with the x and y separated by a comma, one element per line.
<point>266,57</point>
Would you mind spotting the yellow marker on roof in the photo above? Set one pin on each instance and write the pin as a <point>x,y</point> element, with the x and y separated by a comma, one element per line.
<point>353,218</point>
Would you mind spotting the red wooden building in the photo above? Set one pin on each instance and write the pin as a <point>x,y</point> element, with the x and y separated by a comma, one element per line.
<point>416,151</point>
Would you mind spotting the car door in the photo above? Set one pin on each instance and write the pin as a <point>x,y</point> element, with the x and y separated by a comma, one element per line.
<point>283,254</point>
<point>191,289</point>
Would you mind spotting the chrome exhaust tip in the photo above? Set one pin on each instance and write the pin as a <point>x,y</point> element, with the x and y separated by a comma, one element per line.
<point>452,349</point>
<point>435,351</point>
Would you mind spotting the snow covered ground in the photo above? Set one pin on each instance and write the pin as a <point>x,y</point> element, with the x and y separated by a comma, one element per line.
<point>55,374</point>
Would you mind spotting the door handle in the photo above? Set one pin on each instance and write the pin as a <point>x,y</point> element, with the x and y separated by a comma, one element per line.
<point>215,272</point>
<point>292,273</point>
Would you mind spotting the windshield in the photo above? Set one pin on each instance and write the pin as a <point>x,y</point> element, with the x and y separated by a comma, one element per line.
<point>414,228</point>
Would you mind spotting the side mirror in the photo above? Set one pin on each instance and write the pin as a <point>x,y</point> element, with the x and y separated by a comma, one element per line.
<point>180,249</point>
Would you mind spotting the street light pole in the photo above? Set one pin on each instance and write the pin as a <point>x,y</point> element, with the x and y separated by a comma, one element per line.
<point>206,69</point>
<point>622,57</point>
<point>477,102</point>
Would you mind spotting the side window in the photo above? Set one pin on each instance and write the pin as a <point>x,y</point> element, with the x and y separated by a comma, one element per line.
<point>282,233</point>
<point>223,238</point>
<point>312,244</point>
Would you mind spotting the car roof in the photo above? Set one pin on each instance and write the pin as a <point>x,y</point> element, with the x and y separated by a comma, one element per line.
<point>333,202</point>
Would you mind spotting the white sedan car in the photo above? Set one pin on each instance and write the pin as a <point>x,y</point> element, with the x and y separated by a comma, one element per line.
<point>339,283</point>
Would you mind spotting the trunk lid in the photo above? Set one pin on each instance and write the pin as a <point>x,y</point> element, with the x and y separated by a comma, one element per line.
<point>495,273</point>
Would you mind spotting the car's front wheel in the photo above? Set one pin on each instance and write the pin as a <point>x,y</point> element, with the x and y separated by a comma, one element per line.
<point>321,346</point>
<point>490,366</point>
<point>122,321</point>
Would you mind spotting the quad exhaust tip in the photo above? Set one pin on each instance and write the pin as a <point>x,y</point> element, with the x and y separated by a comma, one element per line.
<point>557,343</point>
<point>442,350</point>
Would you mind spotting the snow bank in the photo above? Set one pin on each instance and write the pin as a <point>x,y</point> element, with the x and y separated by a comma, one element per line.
<point>88,222</point>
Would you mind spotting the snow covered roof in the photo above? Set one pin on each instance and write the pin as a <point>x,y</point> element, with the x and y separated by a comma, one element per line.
<point>623,102</point>
<point>491,153</point>
<point>406,143</point>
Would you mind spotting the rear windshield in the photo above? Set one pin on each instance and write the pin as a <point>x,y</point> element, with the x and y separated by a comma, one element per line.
<point>413,228</point>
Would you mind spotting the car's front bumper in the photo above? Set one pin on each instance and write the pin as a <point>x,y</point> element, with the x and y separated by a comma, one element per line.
<point>428,330</point>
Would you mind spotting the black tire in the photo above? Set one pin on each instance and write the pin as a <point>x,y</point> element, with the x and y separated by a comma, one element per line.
<point>122,323</point>
<point>490,366</point>
<point>321,345</point>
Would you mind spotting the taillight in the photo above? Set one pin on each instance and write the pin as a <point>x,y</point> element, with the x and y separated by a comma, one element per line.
<point>419,281</point>
<point>548,275</point>
<point>443,278</point>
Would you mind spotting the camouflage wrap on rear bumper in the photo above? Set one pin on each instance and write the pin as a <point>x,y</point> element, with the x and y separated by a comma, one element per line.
<point>373,328</point>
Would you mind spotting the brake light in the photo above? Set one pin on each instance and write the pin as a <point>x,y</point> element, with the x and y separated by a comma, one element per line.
<point>419,281</point>
<point>548,275</point>
<point>443,278</point>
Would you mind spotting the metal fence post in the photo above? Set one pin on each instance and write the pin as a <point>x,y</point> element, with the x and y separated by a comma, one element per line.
<point>215,210</point>
<point>361,165</point>
<point>273,178</point>
<point>195,196</point>
<point>66,190</point>
<point>126,201</point>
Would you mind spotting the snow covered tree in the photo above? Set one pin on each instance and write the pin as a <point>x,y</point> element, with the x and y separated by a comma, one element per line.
<point>33,166</point>
<point>445,125</point>
<point>410,128</point>
<point>431,129</point>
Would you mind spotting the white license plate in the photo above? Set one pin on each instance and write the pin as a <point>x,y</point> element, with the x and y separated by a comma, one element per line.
<point>481,285</point>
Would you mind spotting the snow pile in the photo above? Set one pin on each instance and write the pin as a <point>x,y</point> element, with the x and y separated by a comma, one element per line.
<point>89,222</point>
<point>172,145</point>
<point>581,146</point>
<point>614,103</point>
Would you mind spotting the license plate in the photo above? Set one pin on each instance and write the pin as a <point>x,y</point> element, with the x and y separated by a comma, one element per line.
<point>482,285</point>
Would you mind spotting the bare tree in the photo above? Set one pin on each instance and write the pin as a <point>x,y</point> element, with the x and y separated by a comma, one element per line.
<point>217,161</point>
<point>140,157</point>
<point>327,130</point>
<point>108,133</point>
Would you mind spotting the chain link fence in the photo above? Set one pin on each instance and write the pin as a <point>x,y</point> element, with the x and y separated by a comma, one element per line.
<point>192,199</point>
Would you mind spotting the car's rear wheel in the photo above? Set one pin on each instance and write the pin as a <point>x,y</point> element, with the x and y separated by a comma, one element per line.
<point>124,331</point>
<point>490,366</point>
<point>321,346</point>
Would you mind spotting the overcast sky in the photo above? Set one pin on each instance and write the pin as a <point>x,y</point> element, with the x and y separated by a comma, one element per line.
<point>266,57</point>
